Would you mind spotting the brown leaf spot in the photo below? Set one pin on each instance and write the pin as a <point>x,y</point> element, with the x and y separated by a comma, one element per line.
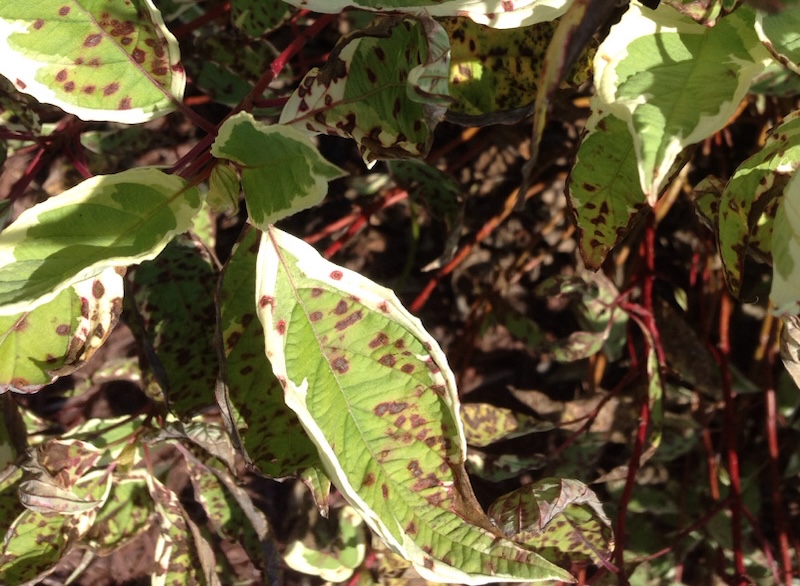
<point>383,306</point>
<point>369,479</point>
<point>89,89</point>
<point>400,421</point>
<point>391,407</point>
<point>138,56</point>
<point>64,10</point>
<point>95,62</point>
<point>385,491</point>
<point>266,300</point>
<point>316,292</point>
<point>126,41</point>
<point>407,368</point>
<point>341,308</point>
<point>428,482</point>
<point>380,340</point>
<point>349,320</point>
<point>98,290</point>
<point>336,275</point>
<point>281,327</point>
<point>315,315</point>
<point>69,86</point>
<point>415,469</point>
<point>125,104</point>
<point>21,84</point>
<point>61,76</point>
<point>432,366</point>
<point>111,88</point>
<point>435,499</point>
<point>387,360</point>
<point>340,364</point>
<point>418,420</point>
<point>160,71</point>
<point>38,23</point>
<point>93,40</point>
<point>411,528</point>
<point>63,330</point>
<point>428,563</point>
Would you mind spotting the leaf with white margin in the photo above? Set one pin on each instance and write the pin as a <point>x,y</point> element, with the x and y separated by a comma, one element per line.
<point>494,13</point>
<point>785,292</point>
<point>106,221</point>
<point>282,170</point>
<point>112,60</point>
<point>384,86</point>
<point>58,337</point>
<point>674,82</point>
<point>780,33</point>
<point>755,185</point>
<point>374,392</point>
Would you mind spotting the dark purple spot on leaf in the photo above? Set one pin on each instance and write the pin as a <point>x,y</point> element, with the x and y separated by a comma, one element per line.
<point>316,292</point>
<point>407,368</point>
<point>89,89</point>
<point>95,62</point>
<point>111,88</point>
<point>341,308</point>
<point>265,300</point>
<point>400,421</point>
<point>61,76</point>
<point>126,41</point>
<point>391,407</point>
<point>93,40</point>
<point>385,491</point>
<point>315,316</point>
<point>98,290</point>
<point>63,330</point>
<point>380,340</point>
<point>69,86</point>
<point>340,365</point>
<point>281,327</point>
<point>418,420</point>
<point>138,56</point>
<point>387,360</point>
<point>38,23</point>
<point>125,104</point>
<point>432,366</point>
<point>160,71</point>
<point>383,306</point>
<point>63,11</point>
<point>349,320</point>
<point>411,528</point>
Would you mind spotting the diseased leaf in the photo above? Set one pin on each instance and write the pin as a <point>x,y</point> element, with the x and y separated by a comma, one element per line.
<point>375,394</point>
<point>255,17</point>
<point>488,12</point>
<point>385,86</point>
<point>58,337</point>
<point>497,468</point>
<point>174,294</point>
<point>112,60</point>
<point>562,518</point>
<point>785,292</point>
<point>603,188</point>
<point>751,191</point>
<point>780,33</point>
<point>274,441</point>
<point>705,12</point>
<point>126,514</point>
<point>282,170</point>
<point>485,424</point>
<point>653,72</point>
<point>106,221</point>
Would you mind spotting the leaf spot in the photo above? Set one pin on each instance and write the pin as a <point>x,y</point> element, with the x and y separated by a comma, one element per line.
<point>138,55</point>
<point>341,308</point>
<point>111,88</point>
<point>63,330</point>
<point>340,364</point>
<point>407,368</point>
<point>93,40</point>
<point>385,491</point>
<point>380,340</point>
<point>125,104</point>
<point>336,275</point>
<point>369,479</point>
<point>281,327</point>
<point>391,407</point>
<point>38,23</point>
<point>315,316</point>
<point>61,76</point>
<point>387,360</point>
<point>89,89</point>
<point>349,320</point>
<point>266,300</point>
<point>418,420</point>
<point>383,306</point>
<point>63,11</point>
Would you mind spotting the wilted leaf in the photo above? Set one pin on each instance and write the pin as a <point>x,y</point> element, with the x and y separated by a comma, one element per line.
<point>384,86</point>
<point>375,394</point>
<point>111,61</point>
<point>106,221</point>
<point>560,517</point>
<point>488,12</point>
<point>754,186</point>
<point>485,424</point>
<point>274,440</point>
<point>282,170</point>
<point>603,188</point>
<point>174,294</point>
<point>653,72</point>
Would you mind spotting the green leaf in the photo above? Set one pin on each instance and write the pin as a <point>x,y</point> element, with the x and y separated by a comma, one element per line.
<point>488,12</point>
<point>174,294</point>
<point>785,292</point>
<point>58,337</point>
<point>780,33</point>
<point>256,18</point>
<point>603,188</point>
<point>497,468</point>
<point>111,60</point>
<point>674,82</point>
<point>753,188</point>
<point>274,441</point>
<point>705,12</point>
<point>562,518</point>
<point>126,514</point>
<point>384,86</point>
<point>223,189</point>
<point>485,424</point>
<point>105,221</point>
<point>282,170</point>
<point>375,394</point>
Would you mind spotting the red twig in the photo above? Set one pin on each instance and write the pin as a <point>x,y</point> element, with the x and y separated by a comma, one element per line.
<point>214,13</point>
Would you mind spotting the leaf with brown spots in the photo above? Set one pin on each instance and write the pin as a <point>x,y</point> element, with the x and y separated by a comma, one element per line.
<point>562,518</point>
<point>384,86</point>
<point>374,392</point>
<point>57,338</point>
<point>486,424</point>
<point>112,60</point>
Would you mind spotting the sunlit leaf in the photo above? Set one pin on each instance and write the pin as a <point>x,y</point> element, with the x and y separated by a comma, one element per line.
<point>780,33</point>
<point>385,86</point>
<point>785,292</point>
<point>126,514</point>
<point>174,294</point>
<point>653,72</point>
<point>376,396</point>
<point>755,185</point>
<point>561,517</point>
<point>106,221</point>
<point>112,60</point>
<point>485,424</point>
<point>489,12</point>
<point>282,170</point>
<point>705,12</point>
